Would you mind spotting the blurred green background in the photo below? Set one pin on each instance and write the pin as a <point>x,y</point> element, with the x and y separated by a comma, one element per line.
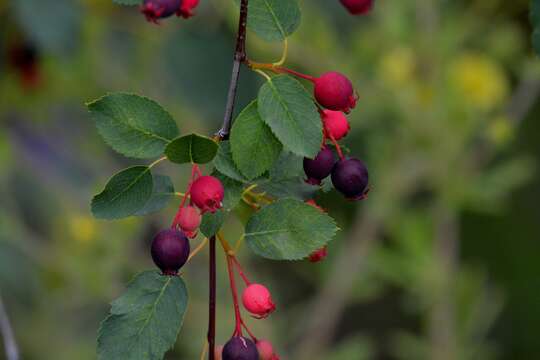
<point>441,262</point>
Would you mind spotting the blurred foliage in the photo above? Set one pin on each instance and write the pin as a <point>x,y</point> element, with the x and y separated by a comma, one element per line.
<point>445,122</point>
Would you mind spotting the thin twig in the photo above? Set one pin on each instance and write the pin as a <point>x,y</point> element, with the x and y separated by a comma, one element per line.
<point>212,301</point>
<point>10,345</point>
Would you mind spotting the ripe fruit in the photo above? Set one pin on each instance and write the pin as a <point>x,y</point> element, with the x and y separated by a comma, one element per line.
<point>170,250</point>
<point>266,350</point>
<point>319,168</point>
<point>335,124</point>
<point>358,7</point>
<point>258,300</point>
<point>159,9</point>
<point>189,220</point>
<point>318,255</point>
<point>351,178</point>
<point>240,348</point>
<point>207,193</point>
<point>187,7</point>
<point>335,92</point>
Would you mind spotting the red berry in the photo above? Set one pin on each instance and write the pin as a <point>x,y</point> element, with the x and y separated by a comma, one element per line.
<point>358,7</point>
<point>318,255</point>
<point>170,251</point>
<point>207,194</point>
<point>351,178</point>
<point>335,92</point>
<point>187,7</point>
<point>319,168</point>
<point>159,9</point>
<point>266,350</point>
<point>189,220</point>
<point>258,301</point>
<point>335,124</point>
<point>240,348</point>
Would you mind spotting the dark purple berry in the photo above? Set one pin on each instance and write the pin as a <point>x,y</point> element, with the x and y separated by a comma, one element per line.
<point>351,178</point>
<point>319,168</point>
<point>170,250</point>
<point>159,9</point>
<point>240,348</point>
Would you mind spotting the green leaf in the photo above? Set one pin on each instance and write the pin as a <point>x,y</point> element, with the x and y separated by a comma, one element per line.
<point>128,2</point>
<point>289,230</point>
<point>192,148</point>
<point>535,20</point>
<point>133,125</point>
<point>126,193</point>
<point>224,163</point>
<point>145,321</point>
<point>273,20</point>
<point>286,106</point>
<point>254,147</point>
<point>162,194</point>
<point>211,223</point>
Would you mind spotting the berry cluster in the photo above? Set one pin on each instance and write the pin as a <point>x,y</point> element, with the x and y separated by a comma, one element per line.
<point>160,9</point>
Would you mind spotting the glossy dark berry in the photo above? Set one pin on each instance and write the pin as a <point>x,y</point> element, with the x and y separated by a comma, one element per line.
<point>170,250</point>
<point>159,9</point>
<point>240,348</point>
<point>319,168</point>
<point>351,178</point>
<point>358,7</point>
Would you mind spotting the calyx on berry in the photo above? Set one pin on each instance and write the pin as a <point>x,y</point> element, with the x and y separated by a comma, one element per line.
<point>266,350</point>
<point>318,255</point>
<point>189,220</point>
<point>335,92</point>
<point>335,123</point>
<point>319,168</point>
<point>358,7</point>
<point>258,300</point>
<point>351,178</point>
<point>207,194</point>
<point>187,7</point>
<point>159,9</point>
<point>170,250</point>
<point>240,348</point>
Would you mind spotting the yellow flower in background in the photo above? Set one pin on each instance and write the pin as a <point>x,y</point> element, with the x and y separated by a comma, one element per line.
<point>481,81</point>
<point>397,67</point>
<point>82,228</point>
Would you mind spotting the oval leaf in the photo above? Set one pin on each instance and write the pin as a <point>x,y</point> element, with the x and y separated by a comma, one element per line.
<point>286,106</point>
<point>273,20</point>
<point>126,193</point>
<point>192,148</point>
<point>254,147</point>
<point>162,194</point>
<point>133,125</point>
<point>224,163</point>
<point>145,321</point>
<point>289,230</point>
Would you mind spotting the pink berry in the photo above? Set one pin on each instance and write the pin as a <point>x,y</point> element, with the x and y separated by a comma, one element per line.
<point>335,92</point>
<point>335,124</point>
<point>258,301</point>
<point>218,351</point>
<point>189,220</point>
<point>266,350</point>
<point>207,194</point>
<point>318,255</point>
<point>159,9</point>
<point>187,7</point>
<point>358,7</point>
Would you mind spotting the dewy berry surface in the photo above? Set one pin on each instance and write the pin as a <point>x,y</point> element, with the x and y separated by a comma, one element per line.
<point>159,9</point>
<point>258,300</point>
<point>351,178</point>
<point>207,193</point>
<point>319,168</point>
<point>335,124</point>
<point>189,220</point>
<point>335,92</point>
<point>358,7</point>
<point>240,348</point>
<point>170,250</point>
